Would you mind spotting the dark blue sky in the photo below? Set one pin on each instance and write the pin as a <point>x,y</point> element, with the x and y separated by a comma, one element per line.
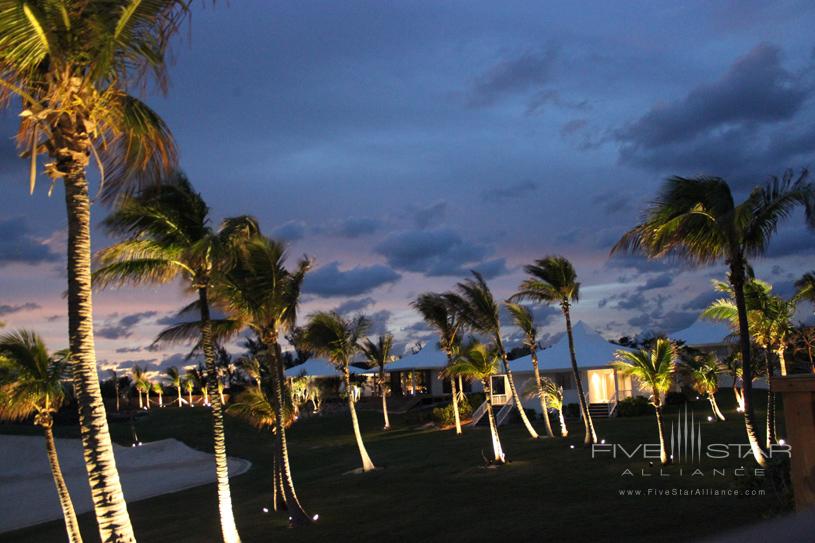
<point>402,144</point>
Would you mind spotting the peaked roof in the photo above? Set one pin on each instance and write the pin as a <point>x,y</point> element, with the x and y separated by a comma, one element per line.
<point>591,349</point>
<point>430,357</point>
<point>317,368</point>
<point>703,332</point>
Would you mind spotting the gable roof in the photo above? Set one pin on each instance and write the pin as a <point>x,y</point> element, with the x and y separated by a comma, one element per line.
<point>429,358</point>
<point>703,332</point>
<point>591,349</point>
<point>315,367</point>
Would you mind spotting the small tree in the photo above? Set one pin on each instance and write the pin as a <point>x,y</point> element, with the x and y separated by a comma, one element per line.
<point>379,355</point>
<point>704,371</point>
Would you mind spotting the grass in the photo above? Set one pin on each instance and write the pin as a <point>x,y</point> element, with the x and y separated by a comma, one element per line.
<point>434,486</point>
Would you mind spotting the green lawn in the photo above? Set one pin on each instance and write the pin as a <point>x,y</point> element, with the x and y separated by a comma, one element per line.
<point>434,488</point>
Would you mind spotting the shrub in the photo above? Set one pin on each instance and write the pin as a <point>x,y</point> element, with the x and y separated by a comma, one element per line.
<point>675,398</point>
<point>636,406</point>
<point>444,416</point>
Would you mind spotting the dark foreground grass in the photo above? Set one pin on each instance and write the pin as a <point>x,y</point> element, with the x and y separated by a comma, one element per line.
<point>434,486</point>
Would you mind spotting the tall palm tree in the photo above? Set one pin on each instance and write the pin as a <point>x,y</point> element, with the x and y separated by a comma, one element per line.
<point>31,384</point>
<point>554,281</point>
<point>138,379</point>
<point>554,400</point>
<point>653,367</point>
<point>704,371</point>
<point>168,235</point>
<point>189,385</point>
<point>806,287</point>
<point>379,355</point>
<point>175,380</point>
<point>479,361</point>
<point>258,292</point>
<point>72,64</point>
<point>114,376</point>
<point>479,311</point>
<point>523,319</point>
<point>157,388</point>
<point>439,312</point>
<point>336,338</point>
<point>699,221</point>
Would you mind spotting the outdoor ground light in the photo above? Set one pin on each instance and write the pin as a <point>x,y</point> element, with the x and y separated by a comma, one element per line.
<point>709,418</point>
<point>265,509</point>
<point>782,442</point>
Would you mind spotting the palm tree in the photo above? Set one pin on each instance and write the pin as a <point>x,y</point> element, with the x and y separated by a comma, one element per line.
<point>479,311</point>
<point>379,355</point>
<point>31,383</point>
<point>175,380</point>
<point>189,386</point>
<point>336,338</point>
<point>806,287</point>
<point>653,367</point>
<point>523,319</point>
<point>158,389</point>
<point>704,371</point>
<point>554,281</point>
<point>699,221</point>
<point>115,378</point>
<point>72,64</point>
<point>732,365</point>
<point>168,235</point>
<point>139,381</point>
<point>439,312</point>
<point>554,400</point>
<point>479,361</point>
<point>258,292</point>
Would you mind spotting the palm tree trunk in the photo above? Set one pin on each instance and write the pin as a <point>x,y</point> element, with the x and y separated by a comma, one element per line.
<point>277,496</point>
<point>514,391</point>
<point>737,281</point>
<point>715,406</point>
<point>384,393</point>
<point>591,435</point>
<point>738,395</point>
<point>229,530</point>
<point>564,432</point>
<point>541,395</point>
<point>141,403</point>
<point>771,438</point>
<point>497,450</point>
<point>68,513</point>
<point>297,515</point>
<point>179,396</point>
<point>782,360</point>
<point>367,464</point>
<point>454,398</point>
<point>106,490</point>
<point>663,451</point>
<point>189,397</point>
<point>116,390</point>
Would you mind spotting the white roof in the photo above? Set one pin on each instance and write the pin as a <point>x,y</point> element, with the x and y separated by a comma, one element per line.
<point>703,332</point>
<point>430,357</point>
<point>591,349</point>
<point>317,368</point>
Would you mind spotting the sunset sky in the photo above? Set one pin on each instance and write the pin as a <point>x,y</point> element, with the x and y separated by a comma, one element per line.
<point>402,144</point>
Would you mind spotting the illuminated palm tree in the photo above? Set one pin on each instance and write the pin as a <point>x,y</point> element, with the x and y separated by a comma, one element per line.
<point>258,292</point>
<point>523,319</point>
<point>168,235</point>
<point>479,311</point>
<point>699,221</point>
<point>31,384</point>
<point>554,281</point>
<point>439,312</point>
<point>330,335</point>
<point>189,385</point>
<point>653,367</point>
<point>158,389</point>
<point>704,371</point>
<point>552,397</point>
<point>175,380</point>
<point>379,355</point>
<point>72,64</point>
<point>138,379</point>
<point>806,287</point>
<point>480,362</point>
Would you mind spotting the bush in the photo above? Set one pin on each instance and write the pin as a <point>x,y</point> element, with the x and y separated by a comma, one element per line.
<point>444,416</point>
<point>675,398</point>
<point>635,406</point>
<point>571,410</point>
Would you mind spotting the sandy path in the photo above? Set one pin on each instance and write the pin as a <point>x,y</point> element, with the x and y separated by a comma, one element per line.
<point>28,495</point>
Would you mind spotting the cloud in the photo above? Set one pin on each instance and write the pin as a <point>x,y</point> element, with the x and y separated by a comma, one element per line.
<point>668,322</point>
<point>432,214</point>
<point>129,350</point>
<point>529,71</point>
<point>660,281</point>
<point>356,227</point>
<point>379,322</point>
<point>436,252</point>
<point>123,327</point>
<point>720,127</point>
<point>9,309</point>
<point>702,300</point>
<point>792,240</point>
<point>19,246</point>
<point>514,191</point>
<point>542,314</point>
<point>289,231</point>
<point>329,280</point>
<point>354,306</point>
<point>639,263</point>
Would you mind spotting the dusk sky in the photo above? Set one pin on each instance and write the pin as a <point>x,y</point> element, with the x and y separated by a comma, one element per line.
<point>402,144</point>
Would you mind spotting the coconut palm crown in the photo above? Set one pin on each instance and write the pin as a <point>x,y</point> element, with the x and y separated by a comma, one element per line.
<point>378,355</point>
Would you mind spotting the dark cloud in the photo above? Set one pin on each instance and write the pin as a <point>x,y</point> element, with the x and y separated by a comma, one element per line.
<point>289,231</point>
<point>572,127</point>
<point>659,281</point>
<point>356,227</point>
<point>702,300</point>
<point>379,322</point>
<point>6,309</point>
<point>354,305</point>
<point>437,252</point>
<point>329,280</point>
<point>123,327</point>
<point>792,240</point>
<point>432,214</point>
<point>613,201</point>
<point>542,314</point>
<point>527,72</point>
<point>491,269</point>
<point>19,245</point>
<point>668,322</point>
<point>640,263</point>
<point>513,191</point>
<point>129,349</point>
